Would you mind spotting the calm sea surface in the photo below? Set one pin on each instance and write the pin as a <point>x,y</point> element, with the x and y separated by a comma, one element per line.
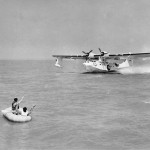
<point>74,111</point>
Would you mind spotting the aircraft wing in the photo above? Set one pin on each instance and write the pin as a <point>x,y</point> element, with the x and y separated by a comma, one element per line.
<point>110,58</point>
<point>119,58</point>
<point>92,56</point>
<point>134,55</point>
<point>70,56</point>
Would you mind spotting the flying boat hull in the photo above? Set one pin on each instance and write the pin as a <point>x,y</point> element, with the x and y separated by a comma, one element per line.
<point>102,67</point>
<point>93,69</point>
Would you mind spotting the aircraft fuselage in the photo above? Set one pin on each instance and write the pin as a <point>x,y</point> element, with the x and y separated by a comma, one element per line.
<point>102,66</point>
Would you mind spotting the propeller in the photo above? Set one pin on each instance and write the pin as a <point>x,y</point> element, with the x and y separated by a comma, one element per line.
<point>101,52</point>
<point>87,53</point>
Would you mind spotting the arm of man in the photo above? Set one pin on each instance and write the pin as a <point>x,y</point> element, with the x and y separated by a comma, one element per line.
<point>20,100</point>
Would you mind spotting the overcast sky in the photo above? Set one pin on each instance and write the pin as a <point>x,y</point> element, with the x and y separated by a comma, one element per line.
<point>36,29</point>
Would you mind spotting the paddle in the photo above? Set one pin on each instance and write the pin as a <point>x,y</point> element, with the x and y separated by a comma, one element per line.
<point>20,100</point>
<point>31,110</point>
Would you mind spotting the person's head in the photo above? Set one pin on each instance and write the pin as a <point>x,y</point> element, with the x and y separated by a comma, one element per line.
<point>15,99</point>
<point>24,109</point>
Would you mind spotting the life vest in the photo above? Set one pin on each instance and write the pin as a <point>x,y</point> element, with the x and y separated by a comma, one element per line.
<point>14,105</point>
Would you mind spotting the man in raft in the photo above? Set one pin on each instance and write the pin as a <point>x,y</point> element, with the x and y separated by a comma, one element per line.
<point>15,105</point>
<point>25,112</point>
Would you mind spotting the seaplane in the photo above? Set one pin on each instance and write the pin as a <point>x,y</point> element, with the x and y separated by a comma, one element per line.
<point>103,62</point>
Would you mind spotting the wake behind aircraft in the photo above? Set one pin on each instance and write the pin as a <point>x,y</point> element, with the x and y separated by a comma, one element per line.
<point>103,62</point>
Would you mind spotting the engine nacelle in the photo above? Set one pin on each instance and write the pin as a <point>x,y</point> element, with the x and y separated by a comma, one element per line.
<point>91,55</point>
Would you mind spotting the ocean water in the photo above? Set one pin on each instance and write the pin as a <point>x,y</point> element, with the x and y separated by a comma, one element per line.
<point>75,110</point>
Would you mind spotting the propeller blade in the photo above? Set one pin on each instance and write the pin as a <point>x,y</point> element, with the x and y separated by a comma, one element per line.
<point>87,53</point>
<point>90,51</point>
<point>84,52</point>
<point>100,50</point>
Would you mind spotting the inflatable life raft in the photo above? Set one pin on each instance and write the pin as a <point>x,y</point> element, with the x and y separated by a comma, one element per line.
<point>8,114</point>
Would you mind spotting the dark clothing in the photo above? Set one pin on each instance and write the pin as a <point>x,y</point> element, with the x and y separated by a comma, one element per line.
<point>14,105</point>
